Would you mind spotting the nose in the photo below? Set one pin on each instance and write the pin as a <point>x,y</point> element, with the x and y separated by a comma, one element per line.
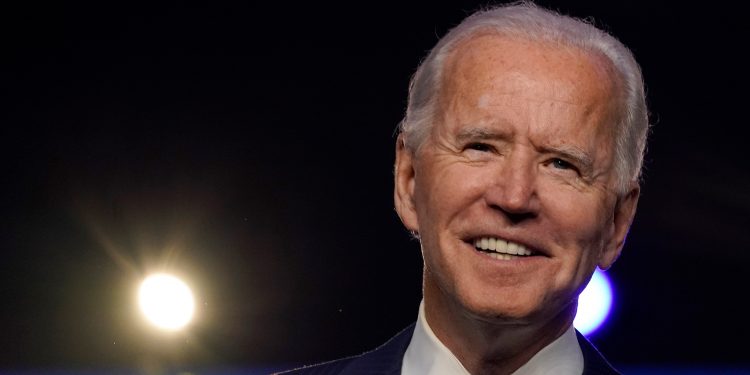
<point>513,190</point>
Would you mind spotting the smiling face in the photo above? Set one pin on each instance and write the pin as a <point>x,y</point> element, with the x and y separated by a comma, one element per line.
<point>513,193</point>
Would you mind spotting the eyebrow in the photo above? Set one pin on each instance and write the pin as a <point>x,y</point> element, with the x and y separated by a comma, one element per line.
<point>570,152</point>
<point>479,134</point>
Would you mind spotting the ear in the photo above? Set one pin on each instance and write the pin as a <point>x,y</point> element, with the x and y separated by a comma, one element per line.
<point>403,192</point>
<point>622,218</point>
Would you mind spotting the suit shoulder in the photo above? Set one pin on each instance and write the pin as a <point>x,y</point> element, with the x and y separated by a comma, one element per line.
<point>326,368</point>
<point>385,360</point>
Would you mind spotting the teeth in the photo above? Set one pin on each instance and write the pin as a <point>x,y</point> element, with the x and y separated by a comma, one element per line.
<point>513,248</point>
<point>500,248</point>
<point>500,256</point>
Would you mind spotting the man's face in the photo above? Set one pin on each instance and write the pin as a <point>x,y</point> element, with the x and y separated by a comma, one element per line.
<point>520,159</point>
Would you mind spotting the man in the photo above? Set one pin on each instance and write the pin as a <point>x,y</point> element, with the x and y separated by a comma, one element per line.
<point>517,168</point>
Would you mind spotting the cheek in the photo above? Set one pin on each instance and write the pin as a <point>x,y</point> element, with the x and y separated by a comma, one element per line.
<point>443,191</point>
<point>444,197</point>
<point>579,220</point>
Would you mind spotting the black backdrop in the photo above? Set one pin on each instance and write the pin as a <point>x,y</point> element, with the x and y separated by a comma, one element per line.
<point>249,149</point>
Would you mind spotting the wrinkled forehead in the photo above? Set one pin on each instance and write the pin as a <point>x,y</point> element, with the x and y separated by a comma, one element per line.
<point>563,96</point>
<point>487,61</point>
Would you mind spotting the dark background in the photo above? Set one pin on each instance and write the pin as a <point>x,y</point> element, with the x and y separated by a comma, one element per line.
<point>249,149</point>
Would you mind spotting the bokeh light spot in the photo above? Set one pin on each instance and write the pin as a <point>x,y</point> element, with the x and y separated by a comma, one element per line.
<point>594,304</point>
<point>166,301</point>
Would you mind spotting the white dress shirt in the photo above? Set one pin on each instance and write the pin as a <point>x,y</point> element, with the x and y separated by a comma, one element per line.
<point>426,355</point>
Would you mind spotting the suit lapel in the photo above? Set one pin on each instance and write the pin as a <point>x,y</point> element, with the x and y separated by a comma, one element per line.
<point>594,362</point>
<point>385,360</point>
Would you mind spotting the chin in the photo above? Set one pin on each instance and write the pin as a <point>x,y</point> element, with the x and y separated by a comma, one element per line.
<point>516,307</point>
<point>501,309</point>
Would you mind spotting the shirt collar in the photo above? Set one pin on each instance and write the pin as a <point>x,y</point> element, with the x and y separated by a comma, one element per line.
<point>426,355</point>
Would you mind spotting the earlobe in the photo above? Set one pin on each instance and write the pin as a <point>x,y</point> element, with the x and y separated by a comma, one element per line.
<point>622,219</point>
<point>403,194</point>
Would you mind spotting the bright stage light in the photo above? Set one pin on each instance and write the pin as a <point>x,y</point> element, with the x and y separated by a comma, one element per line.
<point>594,304</point>
<point>166,301</point>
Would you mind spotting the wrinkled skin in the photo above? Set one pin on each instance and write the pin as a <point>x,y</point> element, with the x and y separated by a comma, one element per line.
<point>522,149</point>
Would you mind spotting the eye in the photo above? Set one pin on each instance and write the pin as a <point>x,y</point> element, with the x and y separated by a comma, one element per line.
<point>561,164</point>
<point>479,147</point>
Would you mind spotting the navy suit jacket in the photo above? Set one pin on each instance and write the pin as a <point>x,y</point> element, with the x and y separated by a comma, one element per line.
<point>386,360</point>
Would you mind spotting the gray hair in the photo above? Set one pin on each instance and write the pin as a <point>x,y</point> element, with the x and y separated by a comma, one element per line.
<point>526,20</point>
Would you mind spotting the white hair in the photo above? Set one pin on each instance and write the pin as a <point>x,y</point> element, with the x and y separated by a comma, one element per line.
<point>526,20</point>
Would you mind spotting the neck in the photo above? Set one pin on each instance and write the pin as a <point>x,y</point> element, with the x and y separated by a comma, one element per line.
<point>489,346</point>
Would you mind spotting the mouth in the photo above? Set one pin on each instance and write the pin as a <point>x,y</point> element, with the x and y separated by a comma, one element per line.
<point>501,249</point>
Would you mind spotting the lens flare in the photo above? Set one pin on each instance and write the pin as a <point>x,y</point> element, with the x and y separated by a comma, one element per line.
<point>594,304</point>
<point>166,301</point>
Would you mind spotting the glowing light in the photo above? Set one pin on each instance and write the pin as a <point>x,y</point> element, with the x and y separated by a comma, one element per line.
<point>166,301</point>
<point>594,304</point>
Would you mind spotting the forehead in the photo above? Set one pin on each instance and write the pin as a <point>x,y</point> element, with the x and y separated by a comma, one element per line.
<point>544,95</point>
<point>489,63</point>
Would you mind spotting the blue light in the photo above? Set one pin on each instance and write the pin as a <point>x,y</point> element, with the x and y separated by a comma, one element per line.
<point>594,304</point>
